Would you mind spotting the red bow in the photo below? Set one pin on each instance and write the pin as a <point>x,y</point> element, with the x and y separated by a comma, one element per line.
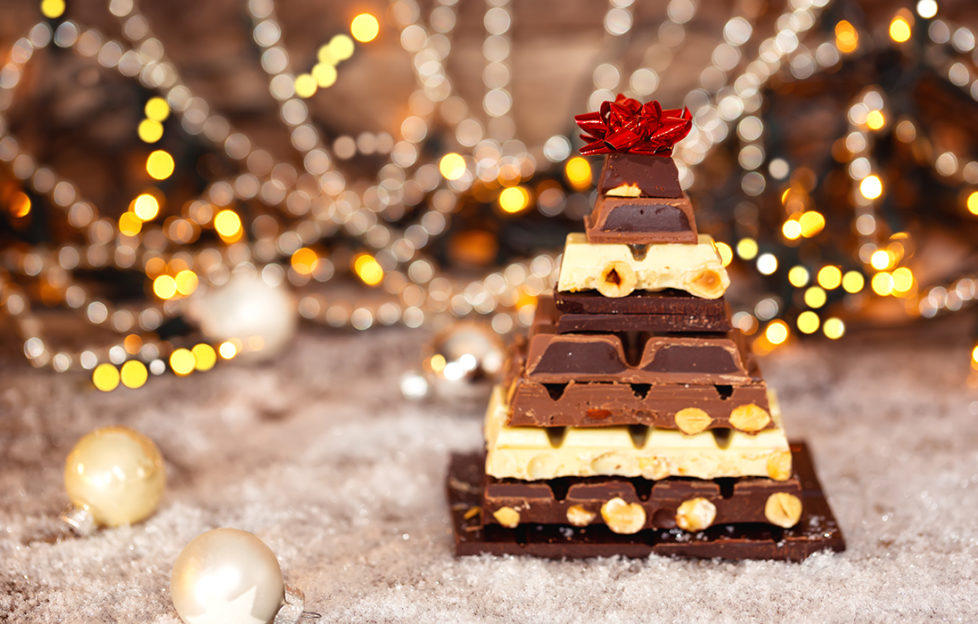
<point>627,125</point>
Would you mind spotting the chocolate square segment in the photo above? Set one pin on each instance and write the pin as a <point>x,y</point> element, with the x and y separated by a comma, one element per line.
<point>641,221</point>
<point>641,175</point>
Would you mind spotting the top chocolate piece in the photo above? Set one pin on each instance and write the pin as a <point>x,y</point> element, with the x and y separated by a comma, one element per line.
<point>639,175</point>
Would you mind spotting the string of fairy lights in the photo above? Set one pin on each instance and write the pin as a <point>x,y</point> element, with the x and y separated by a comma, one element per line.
<point>394,218</point>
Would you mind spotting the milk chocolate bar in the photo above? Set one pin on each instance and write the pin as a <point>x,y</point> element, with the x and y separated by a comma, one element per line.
<point>690,504</point>
<point>639,175</point>
<point>641,221</point>
<point>536,453</point>
<point>661,358</point>
<point>616,270</point>
<point>689,408</point>
<point>816,530</point>
<point>665,314</point>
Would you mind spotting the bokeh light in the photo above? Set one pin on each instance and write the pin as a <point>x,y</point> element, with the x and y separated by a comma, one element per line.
<point>145,206</point>
<point>900,29</point>
<point>165,287</point>
<point>747,248</point>
<point>808,322</point>
<point>514,199</point>
<point>364,28</point>
<point>157,109</point>
<point>833,328</point>
<point>846,37</point>
<point>205,357</point>
<point>578,172</point>
<point>227,223</point>
<point>368,269</point>
<point>52,9</point>
<point>133,374</point>
<point>105,377</point>
<point>183,362</point>
<point>776,332</point>
<point>452,166</point>
<point>871,186</point>
<point>149,131</point>
<point>304,261</point>
<point>159,165</point>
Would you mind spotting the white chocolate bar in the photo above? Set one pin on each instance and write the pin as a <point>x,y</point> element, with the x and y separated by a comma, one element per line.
<point>533,453</point>
<point>695,268</point>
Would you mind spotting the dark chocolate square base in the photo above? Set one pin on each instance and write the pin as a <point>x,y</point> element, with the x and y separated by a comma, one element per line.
<point>817,530</point>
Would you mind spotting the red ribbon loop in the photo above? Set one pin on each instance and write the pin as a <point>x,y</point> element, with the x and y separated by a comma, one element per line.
<point>627,125</point>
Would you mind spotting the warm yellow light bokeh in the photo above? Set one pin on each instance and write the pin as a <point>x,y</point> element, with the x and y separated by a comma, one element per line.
<point>186,281</point>
<point>205,357</point>
<point>776,332</point>
<point>578,172</point>
<point>228,349</point>
<point>875,120</point>
<point>882,283</point>
<point>133,374</point>
<point>20,205</point>
<point>798,276</point>
<point>157,109</point>
<point>130,224</point>
<point>341,47</point>
<point>815,297</point>
<point>513,199</point>
<point>812,222</point>
<point>228,225</point>
<point>829,277</point>
<point>165,287</point>
<point>747,248</point>
<point>902,280</point>
<point>853,282</point>
<point>183,362</point>
<point>791,229</point>
<point>149,131</point>
<point>368,269</point>
<point>52,9</point>
<point>304,261</point>
<point>880,260</point>
<point>145,206</point>
<point>452,166</point>
<point>305,85</point>
<point>833,328</point>
<point>159,165</point>
<point>846,37</point>
<point>972,202</point>
<point>900,30</point>
<point>808,322</point>
<point>871,186</point>
<point>105,377</point>
<point>364,28</point>
<point>726,253</point>
<point>325,75</point>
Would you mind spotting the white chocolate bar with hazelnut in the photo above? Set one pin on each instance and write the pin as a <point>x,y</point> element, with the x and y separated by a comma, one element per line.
<point>695,268</point>
<point>534,453</point>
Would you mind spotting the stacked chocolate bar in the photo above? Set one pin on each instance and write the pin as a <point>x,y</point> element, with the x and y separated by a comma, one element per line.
<point>634,419</point>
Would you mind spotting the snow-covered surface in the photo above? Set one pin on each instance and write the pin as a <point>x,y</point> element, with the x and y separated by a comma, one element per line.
<point>317,455</point>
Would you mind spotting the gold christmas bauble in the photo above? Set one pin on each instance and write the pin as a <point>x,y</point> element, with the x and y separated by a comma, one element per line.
<point>116,474</point>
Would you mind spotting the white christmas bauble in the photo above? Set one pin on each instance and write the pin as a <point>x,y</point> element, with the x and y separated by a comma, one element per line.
<point>261,318</point>
<point>227,576</point>
<point>464,360</point>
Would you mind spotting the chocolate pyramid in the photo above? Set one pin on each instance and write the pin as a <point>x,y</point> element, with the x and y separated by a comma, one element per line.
<point>634,418</point>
